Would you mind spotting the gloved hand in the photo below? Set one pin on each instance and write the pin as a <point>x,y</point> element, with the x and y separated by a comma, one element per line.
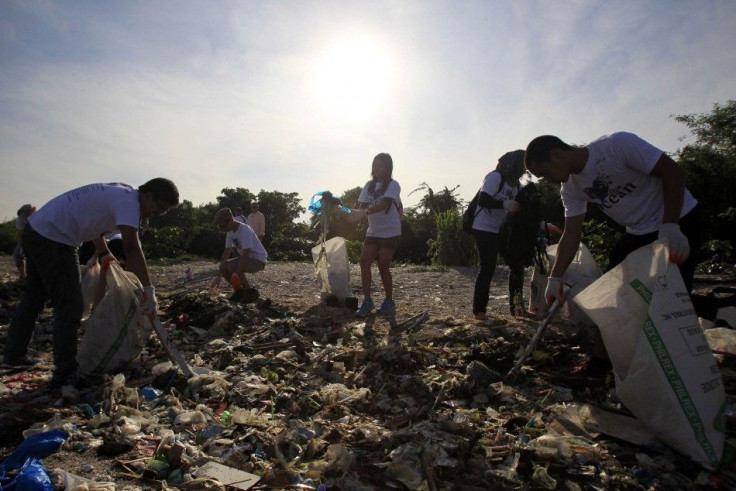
<point>149,305</point>
<point>216,281</point>
<point>355,216</point>
<point>554,290</point>
<point>675,241</point>
<point>511,206</point>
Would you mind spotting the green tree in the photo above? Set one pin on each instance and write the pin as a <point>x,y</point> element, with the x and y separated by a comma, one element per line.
<point>710,162</point>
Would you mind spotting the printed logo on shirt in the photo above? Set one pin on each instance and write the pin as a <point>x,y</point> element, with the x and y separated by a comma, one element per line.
<point>604,193</point>
<point>236,243</point>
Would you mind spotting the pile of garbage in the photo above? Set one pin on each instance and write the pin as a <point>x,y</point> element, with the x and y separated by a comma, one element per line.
<point>321,401</point>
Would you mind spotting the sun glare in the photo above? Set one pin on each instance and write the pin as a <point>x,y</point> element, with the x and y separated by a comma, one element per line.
<point>352,78</point>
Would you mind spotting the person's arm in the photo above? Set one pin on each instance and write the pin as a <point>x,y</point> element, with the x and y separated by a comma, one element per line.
<point>101,248</point>
<point>382,206</point>
<point>135,261</point>
<point>566,250</point>
<point>673,187</point>
<point>568,245</point>
<point>673,195</point>
<point>226,255</point>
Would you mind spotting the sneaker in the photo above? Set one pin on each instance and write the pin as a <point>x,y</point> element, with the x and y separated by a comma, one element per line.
<point>386,307</point>
<point>365,308</point>
<point>480,316</point>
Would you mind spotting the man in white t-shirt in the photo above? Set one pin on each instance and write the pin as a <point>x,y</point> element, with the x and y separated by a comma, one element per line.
<point>252,257</point>
<point>634,183</point>
<point>50,243</point>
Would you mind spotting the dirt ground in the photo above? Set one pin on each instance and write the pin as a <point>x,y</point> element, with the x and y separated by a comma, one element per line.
<point>422,367</point>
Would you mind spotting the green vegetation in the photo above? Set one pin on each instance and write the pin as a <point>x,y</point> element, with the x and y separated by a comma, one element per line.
<point>431,230</point>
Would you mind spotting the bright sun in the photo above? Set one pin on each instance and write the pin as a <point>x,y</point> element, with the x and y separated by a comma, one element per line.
<point>352,77</point>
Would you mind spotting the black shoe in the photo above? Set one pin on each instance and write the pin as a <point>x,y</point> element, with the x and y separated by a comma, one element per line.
<point>26,361</point>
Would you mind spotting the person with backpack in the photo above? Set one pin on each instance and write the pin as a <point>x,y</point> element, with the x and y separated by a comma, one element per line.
<point>380,201</point>
<point>494,200</point>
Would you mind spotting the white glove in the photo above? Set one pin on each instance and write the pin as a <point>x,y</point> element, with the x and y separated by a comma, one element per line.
<point>148,301</point>
<point>511,206</point>
<point>554,290</point>
<point>675,241</point>
<point>355,216</point>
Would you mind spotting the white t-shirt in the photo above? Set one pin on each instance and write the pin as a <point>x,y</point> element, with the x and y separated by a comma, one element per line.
<point>385,223</point>
<point>240,218</point>
<point>616,177</point>
<point>244,238</point>
<point>491,219</point>
<point>87,212</point>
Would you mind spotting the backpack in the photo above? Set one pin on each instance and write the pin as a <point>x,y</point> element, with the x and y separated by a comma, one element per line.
<point>519,237</point>
<point>472,210</point>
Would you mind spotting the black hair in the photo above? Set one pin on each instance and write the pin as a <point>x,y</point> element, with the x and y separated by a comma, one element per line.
<point>386,158</point>
<point>162,189</point>
<point>540,148</point>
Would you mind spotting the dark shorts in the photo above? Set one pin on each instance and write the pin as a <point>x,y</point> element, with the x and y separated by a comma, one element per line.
<point>383,242</point>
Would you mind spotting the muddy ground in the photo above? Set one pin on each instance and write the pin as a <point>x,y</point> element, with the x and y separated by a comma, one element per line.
<point>415,400</point>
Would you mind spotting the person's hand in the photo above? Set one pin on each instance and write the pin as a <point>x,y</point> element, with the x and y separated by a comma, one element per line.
<point>107,259</point>
<point>355,216</point>
<point>216,282</point>
<point>149,306</point>
<point>675,241</point>
<point>553,229</point>
<point>554,290</point>
<point>511,206</point>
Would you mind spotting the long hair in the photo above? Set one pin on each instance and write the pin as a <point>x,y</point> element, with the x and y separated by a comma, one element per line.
<point>386,159</point>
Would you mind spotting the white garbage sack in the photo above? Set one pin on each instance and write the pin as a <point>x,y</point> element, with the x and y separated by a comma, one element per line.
<point>90,277</point>
<point>664,370</point>
<point>583,271</point>
<point>116,331</point>
<point>331,264</point>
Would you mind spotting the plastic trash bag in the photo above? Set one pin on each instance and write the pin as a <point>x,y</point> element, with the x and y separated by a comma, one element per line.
<point>90,278</point>
<point>36,446</point>
<point>32,477</point>
<point>331,265</point>
<point>316,205</point>
<point>116,332</point>
<point>664,370</point>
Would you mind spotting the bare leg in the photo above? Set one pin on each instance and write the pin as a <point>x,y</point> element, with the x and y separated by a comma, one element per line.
<point>384,262</point>
<point>367,255</point>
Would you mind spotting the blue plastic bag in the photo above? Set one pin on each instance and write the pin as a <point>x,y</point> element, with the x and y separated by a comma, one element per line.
<point>315,204</point>
<point>32,477</point>
<point>36,446</point>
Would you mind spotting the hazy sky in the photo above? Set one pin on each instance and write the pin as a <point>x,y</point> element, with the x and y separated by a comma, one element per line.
<point>298,96</point>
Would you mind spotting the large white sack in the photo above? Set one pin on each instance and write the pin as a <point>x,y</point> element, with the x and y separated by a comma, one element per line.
<point>331,265</point>
<point>664,370</point>
<point>116,331</point>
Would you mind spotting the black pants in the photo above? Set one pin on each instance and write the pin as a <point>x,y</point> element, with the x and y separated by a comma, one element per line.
<point>689,225</point>
<point>487,243</point>
<point>52,274</point>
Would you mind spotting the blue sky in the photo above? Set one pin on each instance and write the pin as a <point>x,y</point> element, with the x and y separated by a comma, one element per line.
<point>298,96</point>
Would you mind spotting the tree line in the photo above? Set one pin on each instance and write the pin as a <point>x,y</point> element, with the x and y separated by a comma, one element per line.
<point>431,231</point>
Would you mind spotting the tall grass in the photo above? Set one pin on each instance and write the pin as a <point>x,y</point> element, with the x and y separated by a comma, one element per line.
<point>451,246</point>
